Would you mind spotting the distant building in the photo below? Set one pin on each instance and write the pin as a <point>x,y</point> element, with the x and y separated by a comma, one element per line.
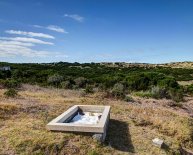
<point>5,68</point>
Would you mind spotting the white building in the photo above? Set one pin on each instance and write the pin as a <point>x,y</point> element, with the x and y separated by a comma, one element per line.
<point>5,68</point>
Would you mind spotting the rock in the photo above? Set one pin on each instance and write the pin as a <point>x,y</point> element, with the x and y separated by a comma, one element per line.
<point>98,137</point>
<point>158,142</point>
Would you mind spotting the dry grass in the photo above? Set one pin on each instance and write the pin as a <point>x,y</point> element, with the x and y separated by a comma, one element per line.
<point>185,83</point>
<point>7,109</point>
<point>131,129</point>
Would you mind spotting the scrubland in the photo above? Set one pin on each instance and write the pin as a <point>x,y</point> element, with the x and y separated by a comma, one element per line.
<point>132,126</point>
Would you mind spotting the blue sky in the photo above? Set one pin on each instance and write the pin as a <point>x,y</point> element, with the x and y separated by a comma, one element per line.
<point>150,31</point>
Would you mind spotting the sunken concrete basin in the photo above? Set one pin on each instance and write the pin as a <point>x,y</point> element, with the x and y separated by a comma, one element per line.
<point>64,121</point>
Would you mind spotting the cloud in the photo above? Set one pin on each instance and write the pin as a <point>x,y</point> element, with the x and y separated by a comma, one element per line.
<point>28,40</point>
<point>24,46</point>
<point>16,50</point>
<point>30,34</point>
<point>56,28</point>
<point>6,42</point>
<point>75,17</point>
<point>9,48</point>
<point>52,28</point>
<point>38,26</point>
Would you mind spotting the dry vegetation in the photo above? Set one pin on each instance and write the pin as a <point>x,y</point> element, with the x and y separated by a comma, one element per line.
<point>186,64</point>
<point>132,127</point>
<point>185,83</point>
<point>180,65</point>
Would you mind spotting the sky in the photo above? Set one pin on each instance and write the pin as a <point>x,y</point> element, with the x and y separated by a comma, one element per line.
<point>145,31</point>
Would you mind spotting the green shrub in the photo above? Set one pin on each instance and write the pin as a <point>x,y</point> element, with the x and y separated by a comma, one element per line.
<point>145,94</point>
<point>2,83</point>
<point>138,82</point>
<point>176,94</point>
<point>144,81</point>
<point>80,82</point>
<point>11,83</point>
<point>89,89</point>
<point>11,93</point>
<point>55,80</point>
<point>102,87</point>
<point>66,85</point>
<point>158,92</point>
<point>168,82</point>
<point>128,99</point>
<point>189,89</point>
<point>118,90</point>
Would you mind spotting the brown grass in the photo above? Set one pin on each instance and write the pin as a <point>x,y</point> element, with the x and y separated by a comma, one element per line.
<point>132,127</point>
<point>185,83</point>
<point>7,109</point>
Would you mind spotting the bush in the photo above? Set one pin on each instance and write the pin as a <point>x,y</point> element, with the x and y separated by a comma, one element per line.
<point>102,87</point>
<point>2,84</point>
<point>55,80</point>
<point>189,89</point>
<point>158,92</point>
<point>80,82</point>
<point>145,94</point>
<point>128,99</point>
<point>168,82</point>
<point>144,81</point>
<point>11,93</point>
<point>176,94</point>
<point>66,85</point>
<point>89,89</point>
<point>138,82</point>
<point>118,90</point>
<point>10,83</point>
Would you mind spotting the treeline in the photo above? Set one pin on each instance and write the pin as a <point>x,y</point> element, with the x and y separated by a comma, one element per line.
<point>157,82</point>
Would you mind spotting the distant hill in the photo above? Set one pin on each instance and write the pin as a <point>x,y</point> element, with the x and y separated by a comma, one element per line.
<point>188,65</point>
<point>185,64</point>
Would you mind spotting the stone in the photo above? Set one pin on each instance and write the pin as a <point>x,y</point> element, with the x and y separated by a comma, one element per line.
<point>98,137</point>
<point>158,142</point>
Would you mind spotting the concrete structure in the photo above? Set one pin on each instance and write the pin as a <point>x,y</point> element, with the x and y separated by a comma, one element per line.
<point>62,122</point>
<point>158,142</point>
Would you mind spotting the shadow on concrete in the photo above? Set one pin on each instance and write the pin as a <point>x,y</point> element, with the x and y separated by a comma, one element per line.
<point>118,136</point>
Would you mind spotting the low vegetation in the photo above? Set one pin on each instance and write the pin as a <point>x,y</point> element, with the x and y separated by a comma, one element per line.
<point>133,125</point>
<point>11,93</point>
<point>157,82</point>
<point>147,102</point>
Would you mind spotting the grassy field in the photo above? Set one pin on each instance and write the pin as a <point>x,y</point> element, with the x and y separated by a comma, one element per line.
<point>132,127</point>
